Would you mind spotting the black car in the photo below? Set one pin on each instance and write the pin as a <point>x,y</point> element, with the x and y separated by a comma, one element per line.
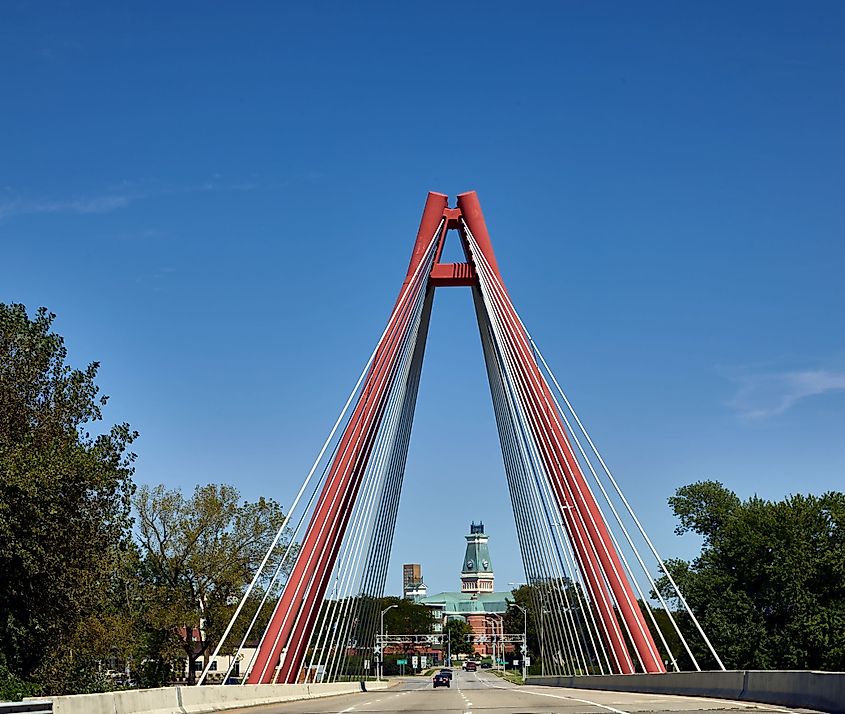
<point>441,680</point>
<point>486,665</point>
<point>447,673</point>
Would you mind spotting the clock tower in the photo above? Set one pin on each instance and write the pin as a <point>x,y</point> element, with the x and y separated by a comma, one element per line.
<point>477,570</point>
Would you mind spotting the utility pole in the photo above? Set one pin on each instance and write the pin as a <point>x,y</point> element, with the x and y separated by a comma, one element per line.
<point>381,654</point>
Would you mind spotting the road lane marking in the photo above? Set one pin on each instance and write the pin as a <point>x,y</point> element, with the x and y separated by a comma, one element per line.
<point>575,699</point>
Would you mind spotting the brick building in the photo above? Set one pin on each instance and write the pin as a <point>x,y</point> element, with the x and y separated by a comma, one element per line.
<point>477,602</point>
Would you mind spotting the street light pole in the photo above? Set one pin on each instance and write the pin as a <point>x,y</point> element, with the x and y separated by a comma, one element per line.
<point>501,647</point>
<point>542,643</point>
<point>380,667</point>
<point>524,636</point>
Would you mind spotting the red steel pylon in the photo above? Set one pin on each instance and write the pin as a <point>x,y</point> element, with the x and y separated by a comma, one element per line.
<point>282,651</point>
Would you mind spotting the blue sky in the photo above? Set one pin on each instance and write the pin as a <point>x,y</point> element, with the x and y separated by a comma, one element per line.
<point>219,199</point>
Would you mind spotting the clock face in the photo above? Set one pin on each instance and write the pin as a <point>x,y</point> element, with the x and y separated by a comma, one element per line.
<point>469,565</point>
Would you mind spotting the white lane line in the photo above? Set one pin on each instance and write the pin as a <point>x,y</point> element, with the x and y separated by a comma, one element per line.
<point>575,699</point>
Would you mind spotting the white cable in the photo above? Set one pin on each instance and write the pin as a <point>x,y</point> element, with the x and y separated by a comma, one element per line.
<point>391,367</point>
<point>634,518</point>
<point>551,503</point>
<point>602,595</point>
<point>488,295</point>
<point>521,486</point>
<point>387,434</point>
<point>610,476</point>
<point>410,286</point>
<point>311,472</point>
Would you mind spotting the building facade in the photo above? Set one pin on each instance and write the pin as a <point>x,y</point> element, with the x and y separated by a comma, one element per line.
<point>477,602</point>
<point>413,587</point>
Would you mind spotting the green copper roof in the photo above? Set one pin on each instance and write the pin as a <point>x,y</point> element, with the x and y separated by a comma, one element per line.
<point>477,556</point>
<point>462,604</point>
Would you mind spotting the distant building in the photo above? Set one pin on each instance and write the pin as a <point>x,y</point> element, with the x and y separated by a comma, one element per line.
<point>477,603</point>
<point>477,571</point>
<point>413,587</point>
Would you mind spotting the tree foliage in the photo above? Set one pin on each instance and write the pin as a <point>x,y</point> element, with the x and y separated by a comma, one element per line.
<point>408,618</point>
<point>64,501</point>
<point>457,630</point>
<point>769,583</point>
<point>196,556</point>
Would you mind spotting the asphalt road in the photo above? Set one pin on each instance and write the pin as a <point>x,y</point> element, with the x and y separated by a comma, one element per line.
<point>484,693</point>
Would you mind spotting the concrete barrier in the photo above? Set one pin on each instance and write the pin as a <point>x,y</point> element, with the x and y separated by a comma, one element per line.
<point>814,690</point>
<point>824,691</point>
<point>199,700</point>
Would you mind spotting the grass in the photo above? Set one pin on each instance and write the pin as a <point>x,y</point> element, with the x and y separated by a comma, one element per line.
<point>508,675</point>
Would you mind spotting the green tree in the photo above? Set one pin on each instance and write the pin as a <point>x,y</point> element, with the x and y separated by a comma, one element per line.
<point>458,630</point>
<point>65,489</point>
<point>197,556</point>
<point>514,621</point>
<point>408,618</point>
<point>769,583</point>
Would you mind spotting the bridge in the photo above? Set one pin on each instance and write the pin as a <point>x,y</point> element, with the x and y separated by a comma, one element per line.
<point>587,556</point>
<point>609,603</point>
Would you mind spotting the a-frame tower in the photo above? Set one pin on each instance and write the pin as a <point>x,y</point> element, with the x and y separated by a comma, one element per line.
<point>522,400</point>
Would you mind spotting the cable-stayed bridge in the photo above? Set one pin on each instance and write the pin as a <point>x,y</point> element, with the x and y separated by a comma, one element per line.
<point>588,558</point>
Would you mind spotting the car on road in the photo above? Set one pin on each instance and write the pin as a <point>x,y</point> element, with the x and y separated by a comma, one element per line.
<point>471,666</point>
<point>441,680</point>
<point>447,672</point>
<point>486,665</point>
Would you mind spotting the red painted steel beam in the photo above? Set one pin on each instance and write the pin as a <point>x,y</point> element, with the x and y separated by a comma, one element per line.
<point>569,483</point>
<point>295,613</point>
<point>444,275</point>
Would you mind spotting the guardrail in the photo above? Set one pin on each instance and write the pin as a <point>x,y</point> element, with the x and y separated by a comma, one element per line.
<point>824,691</point>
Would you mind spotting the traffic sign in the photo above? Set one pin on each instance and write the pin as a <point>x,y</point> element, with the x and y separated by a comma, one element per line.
<point>401,661</point>
<point>414,661</point>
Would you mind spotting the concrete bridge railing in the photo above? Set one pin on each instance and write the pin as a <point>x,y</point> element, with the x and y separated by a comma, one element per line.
<point>824,691</point>
<point>198,700</point>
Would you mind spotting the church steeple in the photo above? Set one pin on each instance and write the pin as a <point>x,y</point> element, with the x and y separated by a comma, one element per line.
<point>477,570</point>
